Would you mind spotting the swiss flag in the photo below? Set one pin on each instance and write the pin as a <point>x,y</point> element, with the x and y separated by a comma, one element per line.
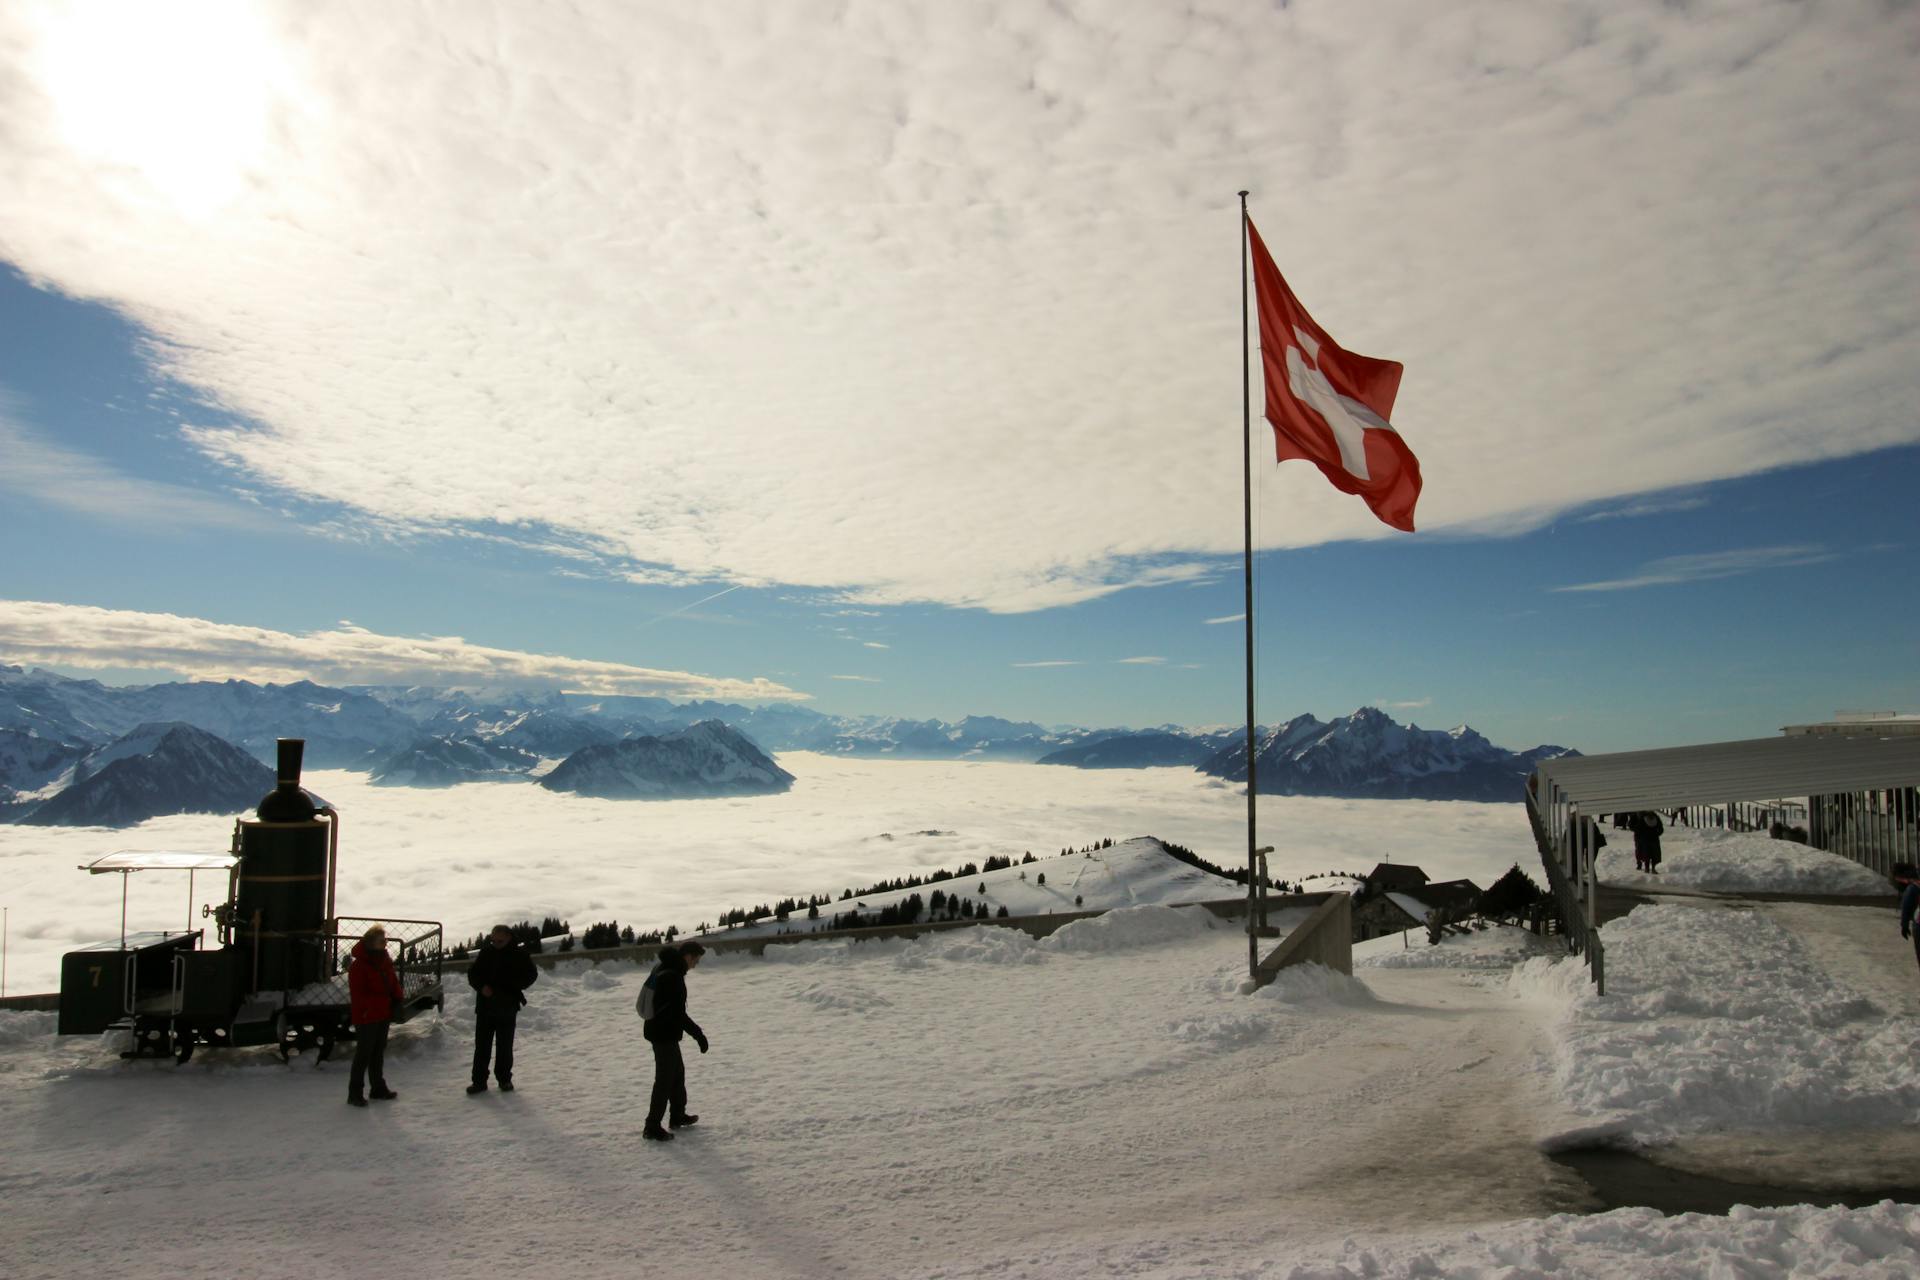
<point>1328,405</point>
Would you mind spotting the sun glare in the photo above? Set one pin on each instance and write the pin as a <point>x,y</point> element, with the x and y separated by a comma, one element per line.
<point>175,95</point>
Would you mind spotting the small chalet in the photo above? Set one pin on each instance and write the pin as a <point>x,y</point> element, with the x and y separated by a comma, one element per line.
<point>1398,896</point>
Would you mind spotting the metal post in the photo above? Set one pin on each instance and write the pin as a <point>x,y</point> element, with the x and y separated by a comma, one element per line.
<point>1246,516</point>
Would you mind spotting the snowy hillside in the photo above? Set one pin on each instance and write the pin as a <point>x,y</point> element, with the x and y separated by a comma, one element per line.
<point>973,1104</point>
<point>1129,873</point>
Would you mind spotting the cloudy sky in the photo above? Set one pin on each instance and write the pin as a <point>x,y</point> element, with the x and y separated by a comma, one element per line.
<point>886,355</point>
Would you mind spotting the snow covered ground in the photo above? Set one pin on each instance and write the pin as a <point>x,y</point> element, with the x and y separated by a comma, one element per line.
<point>474,854</point>
<point>1107,1101</point>
<point>1717,861</point>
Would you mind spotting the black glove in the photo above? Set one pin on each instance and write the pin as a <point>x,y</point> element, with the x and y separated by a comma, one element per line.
<point>1905,932</point>
<point>702,1042</point>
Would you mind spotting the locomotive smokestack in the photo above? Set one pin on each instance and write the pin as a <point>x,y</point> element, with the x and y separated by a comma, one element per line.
<point>291,750</point>
<point>287,802</point>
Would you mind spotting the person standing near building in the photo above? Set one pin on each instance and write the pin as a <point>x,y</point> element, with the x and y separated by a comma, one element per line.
<point>662,1006</point>
<point>374,993</point>
<point>500,974</point>
<point>1646,828</point>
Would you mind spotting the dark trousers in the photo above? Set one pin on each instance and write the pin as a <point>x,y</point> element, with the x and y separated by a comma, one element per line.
<point>369,1059</point>
<point>669,1082</point>
<point>493,1038</point>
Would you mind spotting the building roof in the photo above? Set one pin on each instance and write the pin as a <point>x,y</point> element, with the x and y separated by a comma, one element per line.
<point>1396,875</point>
<point>1449,893</point>
<point>1719,772</point>
<point>159,860</point>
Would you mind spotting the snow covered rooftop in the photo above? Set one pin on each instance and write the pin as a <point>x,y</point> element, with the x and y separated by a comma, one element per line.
<point>1715,773</point>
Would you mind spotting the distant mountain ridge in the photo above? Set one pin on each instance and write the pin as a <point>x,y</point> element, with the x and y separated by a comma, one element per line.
<point>704,759</point>
<point>1370,756</point>
<point>433,736</point>
<point>154,770</point>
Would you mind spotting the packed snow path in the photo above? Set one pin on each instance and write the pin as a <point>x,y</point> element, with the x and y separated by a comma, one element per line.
<point>978,1103</point>
<point>885,1110</point>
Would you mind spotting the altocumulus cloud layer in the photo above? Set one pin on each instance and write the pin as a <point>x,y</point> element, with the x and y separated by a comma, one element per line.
<point>937,301</point>
<point>84,636</point>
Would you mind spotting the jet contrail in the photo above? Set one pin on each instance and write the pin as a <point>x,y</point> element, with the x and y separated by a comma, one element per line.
<point>683,608</point>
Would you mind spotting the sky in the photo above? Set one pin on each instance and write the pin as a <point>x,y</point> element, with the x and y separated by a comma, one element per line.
<point>884,357</point>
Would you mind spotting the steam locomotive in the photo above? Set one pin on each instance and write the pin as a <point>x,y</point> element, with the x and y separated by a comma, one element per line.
<point>278,974</point>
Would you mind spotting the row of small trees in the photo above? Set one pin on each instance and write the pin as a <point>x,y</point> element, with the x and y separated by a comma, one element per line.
<point>525,932</point>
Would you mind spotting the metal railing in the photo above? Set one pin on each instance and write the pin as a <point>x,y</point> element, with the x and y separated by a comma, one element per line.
<point>419,957</point>
<point>1572,881</point>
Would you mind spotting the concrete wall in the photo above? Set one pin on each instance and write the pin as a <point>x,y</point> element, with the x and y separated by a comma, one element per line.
<point>1326,938</point>
<point>50,1000</point>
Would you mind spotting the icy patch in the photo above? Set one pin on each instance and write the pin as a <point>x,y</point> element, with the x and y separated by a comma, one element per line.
<point>1717,861</point>
<point>1126,927</point>
<point>1721,1020</point>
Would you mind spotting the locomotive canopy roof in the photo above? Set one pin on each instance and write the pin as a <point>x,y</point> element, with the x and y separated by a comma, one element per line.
<point>161,860</point>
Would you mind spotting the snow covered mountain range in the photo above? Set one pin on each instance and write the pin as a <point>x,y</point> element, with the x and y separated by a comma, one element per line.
<point>423,736</point>
<point>1370,756</point>
<point>155,769</point>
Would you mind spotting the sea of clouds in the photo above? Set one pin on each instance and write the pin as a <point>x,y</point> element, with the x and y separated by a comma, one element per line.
<point>474,854</point>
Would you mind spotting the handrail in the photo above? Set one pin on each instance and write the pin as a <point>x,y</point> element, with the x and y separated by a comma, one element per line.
<point>1581,940</point>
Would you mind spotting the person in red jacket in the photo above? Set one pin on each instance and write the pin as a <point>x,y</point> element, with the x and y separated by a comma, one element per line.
<point>374,987</point>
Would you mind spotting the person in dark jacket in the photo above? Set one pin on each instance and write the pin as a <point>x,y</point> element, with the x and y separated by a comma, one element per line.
<point>373,987</point>
<point>1906,878</point>
<point>1646,828</point>
<point>500,974</point>
<point>663,1008</point>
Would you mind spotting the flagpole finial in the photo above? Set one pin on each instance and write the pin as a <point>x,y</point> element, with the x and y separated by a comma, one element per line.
<point>1243,195</point>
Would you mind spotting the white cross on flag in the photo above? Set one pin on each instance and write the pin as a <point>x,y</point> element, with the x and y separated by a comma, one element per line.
<point>1328,405</point>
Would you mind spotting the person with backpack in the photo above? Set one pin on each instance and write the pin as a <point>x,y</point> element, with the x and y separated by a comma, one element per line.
<point>374,992</point>
<point>662,1006</point>
<point>500,974</point>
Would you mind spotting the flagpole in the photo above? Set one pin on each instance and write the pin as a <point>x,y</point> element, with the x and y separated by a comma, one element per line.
<point>1246,494</point>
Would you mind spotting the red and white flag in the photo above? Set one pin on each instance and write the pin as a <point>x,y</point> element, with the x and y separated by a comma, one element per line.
<point>1328,405</point>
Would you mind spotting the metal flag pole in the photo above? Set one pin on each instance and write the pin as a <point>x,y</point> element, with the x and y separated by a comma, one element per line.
<point>1246,494</point>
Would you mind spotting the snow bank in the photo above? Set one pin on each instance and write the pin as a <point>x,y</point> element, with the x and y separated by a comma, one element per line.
<point>1721,1020</point>
<point>1126,927</point>
<point>1877,1243</point>
<point>1718,861</point>
<point>1498,947</point>
<point>18,1026</point>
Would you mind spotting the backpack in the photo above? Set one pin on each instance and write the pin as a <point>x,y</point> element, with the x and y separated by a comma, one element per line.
<point>643,1003</point>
